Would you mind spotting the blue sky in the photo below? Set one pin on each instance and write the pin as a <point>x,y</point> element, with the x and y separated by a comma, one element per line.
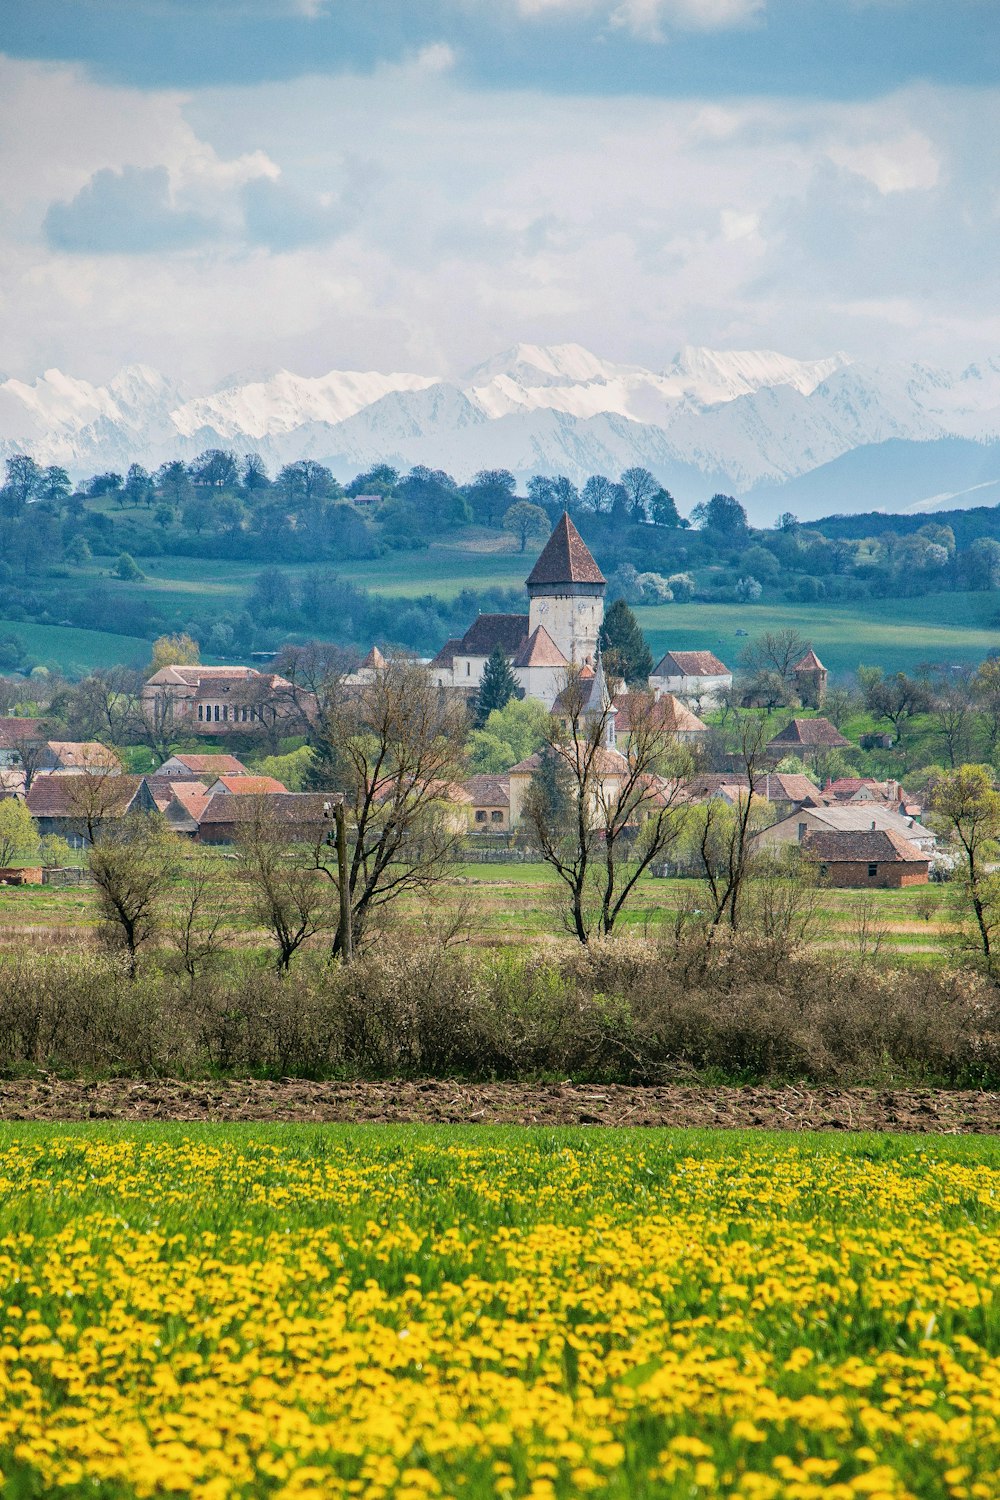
<point>215,185</point>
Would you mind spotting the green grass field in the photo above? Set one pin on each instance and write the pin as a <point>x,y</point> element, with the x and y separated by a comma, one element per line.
<point>896,634</point>
<point>409,1312</point>
<point>74,651</point>
<point>493,904</point>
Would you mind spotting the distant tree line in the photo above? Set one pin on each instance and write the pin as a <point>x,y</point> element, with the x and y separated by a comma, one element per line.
<point>77,554</point>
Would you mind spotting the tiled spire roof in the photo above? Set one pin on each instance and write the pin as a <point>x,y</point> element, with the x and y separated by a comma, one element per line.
<point>565,558</point>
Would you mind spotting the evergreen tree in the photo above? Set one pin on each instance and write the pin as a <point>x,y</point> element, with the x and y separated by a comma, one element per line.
<point>548,803</point>
<point>623,646</point>
<point>498,687</point>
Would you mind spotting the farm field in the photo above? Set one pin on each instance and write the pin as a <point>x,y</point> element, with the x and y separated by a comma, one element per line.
<point>493,903</point>
<point>338,1311</point>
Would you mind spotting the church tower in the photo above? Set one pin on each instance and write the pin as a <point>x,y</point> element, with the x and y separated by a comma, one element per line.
<point>566,589</point>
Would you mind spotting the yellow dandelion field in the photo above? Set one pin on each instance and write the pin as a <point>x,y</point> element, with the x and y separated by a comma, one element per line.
<point>217,1312</point>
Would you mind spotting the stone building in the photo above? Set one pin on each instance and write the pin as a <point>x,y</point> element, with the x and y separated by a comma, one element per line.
<point>810,680</point>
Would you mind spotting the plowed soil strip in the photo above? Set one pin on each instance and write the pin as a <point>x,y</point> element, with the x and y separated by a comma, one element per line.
<point>436,1101</point>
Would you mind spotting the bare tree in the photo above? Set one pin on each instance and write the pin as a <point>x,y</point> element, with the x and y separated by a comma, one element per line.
<point>104,706</point>
<point>601,815</point>
<point>285,892</point>
<point>200,920</point>
<point>132,867</point>
<point>725,836</point>
<point>776,651</point>
<point>392,748</point>
<point>896,698</point>
<point>952,712</point>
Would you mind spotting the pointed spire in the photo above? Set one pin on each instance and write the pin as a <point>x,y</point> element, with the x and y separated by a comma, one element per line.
<point>565,558</point>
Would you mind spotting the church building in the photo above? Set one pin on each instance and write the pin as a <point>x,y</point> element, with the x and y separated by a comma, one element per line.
<point>560,630</point>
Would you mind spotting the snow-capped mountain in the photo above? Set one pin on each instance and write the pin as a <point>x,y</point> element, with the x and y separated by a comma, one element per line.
<point>750,421</point>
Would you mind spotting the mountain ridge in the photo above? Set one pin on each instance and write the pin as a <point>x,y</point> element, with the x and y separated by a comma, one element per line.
<point>753,422</point>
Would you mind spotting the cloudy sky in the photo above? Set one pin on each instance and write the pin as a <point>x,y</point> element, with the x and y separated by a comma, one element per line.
<point>221,186</point>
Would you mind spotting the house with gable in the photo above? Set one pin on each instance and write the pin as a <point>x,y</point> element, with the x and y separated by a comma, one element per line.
<point>698,678</point>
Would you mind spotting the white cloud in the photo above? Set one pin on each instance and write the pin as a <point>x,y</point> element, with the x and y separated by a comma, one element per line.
<point>408,220</point>
<point>652,19</point>
<point>903,164</point>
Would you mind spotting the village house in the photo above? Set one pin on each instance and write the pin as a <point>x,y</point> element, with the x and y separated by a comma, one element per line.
<point>806,820</point>
<point>806,738</point>
<point>876,858</point>
<point>224,700</point>
<point>302,816</point>
<point>16,734</point>
<point>74,806</point>
<point>489,799</point>
<point>861,790</point>
<point>785,790</point>
<point>698,678</point>
<point>80,755</point>
<point>669,715</point>
<point>206,768</point>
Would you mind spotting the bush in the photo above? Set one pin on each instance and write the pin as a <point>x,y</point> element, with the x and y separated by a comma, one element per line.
<point>626,1010</point>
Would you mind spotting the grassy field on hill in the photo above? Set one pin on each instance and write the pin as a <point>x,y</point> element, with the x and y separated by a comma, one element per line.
<point>75,651</point>
<point>894,633</point>
<point>414,1312</point>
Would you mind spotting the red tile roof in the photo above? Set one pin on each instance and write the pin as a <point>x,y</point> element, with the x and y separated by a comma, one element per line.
<point>209,765</point>
<point>565,558</point>
<point>249,786</point>
<point>811,733</point>
<point>540,650</point>
<point>671,715</point>
<point>690,664</point>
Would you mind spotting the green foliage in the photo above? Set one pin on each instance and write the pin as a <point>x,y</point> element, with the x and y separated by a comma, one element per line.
<point>626,654</point>
<point>509,735</point>
<point>54,853</point>
<point>497,688</point>
<point>291,769</point>
<point>18,834</point>
<point>127,569</point>
<point>525,520</point>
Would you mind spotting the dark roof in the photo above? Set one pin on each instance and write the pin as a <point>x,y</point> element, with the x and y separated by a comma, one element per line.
<point>565,558</point>
<point>446,656</point>
<point>74,793</point>
<point>509,632</point>
<point>876,845</point>
<point>296,809</point>
<point>690,664</point>
<point>489,791</point>
<point>15,732</point>
<point>810,733</point>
